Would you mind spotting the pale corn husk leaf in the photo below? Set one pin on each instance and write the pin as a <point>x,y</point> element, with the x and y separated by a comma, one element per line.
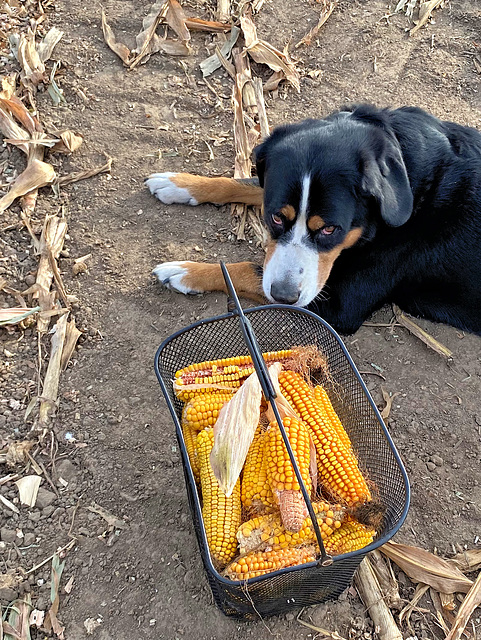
<point>233,433</point>
<point>68,143</point>
<point>33,69</point>
<point>37,174</point>
<point>18,619</point>
<point>6,502</point>
<point>425,567</point>
<point>12,130</point>
<point>52,375</point>
<point>425,11</point>
<point>264,53</point>
<point>210,64</point>
<point>10,102</point>
<point>72,335</point>
<point>197,24</point>
<point>36,618</point>
<point>469,604</point>
<point>467,561</point>
<point>169,46</point>
<point>273,82</point>
<point>149,24</point>
<point>175,18</point>
<point>117,47</point>
<point>48,43</point>
<point>17,452</point>
<point>28,489</point>
<point>13,315</point>
<point>51,620</point>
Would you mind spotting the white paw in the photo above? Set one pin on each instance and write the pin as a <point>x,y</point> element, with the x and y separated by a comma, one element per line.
<point>171,274</point>
<point>163,188</point>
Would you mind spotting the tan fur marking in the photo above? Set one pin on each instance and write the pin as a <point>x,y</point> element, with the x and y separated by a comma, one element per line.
<point>327,259</point>
<point>271,245</point>
<point>315,223</point>
<point>208,277</point>
<point>288,212</point>
<point>218,190</point>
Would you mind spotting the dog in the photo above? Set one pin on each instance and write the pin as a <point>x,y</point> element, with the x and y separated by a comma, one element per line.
<point>365,207</point>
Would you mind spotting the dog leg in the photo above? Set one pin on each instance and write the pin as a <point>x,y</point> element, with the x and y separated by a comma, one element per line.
<point>186,188</point>
<point>199,277</point>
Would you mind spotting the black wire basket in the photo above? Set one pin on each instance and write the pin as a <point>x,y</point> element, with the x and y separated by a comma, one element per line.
<point>278,327</point>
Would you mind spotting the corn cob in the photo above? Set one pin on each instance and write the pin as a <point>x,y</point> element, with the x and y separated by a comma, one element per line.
<point>223,374</point>
<point>190,439</point>
<point>267,531</point>
<point>221,514</point>
<point>280,472</point>
<point>258,563</point>
<point>202,410</point>
<point>337,466</point>
<point>323,400</point>
<point>350,536</point>
<point>256,494</point>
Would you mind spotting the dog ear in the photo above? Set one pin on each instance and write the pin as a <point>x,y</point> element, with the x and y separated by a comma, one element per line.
<point>260,154</point>
<point>386,179</point>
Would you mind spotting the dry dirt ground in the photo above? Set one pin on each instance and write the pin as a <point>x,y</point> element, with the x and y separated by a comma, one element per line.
<point>148,581</point>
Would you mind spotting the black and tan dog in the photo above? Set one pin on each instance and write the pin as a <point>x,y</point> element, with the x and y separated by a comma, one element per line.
<point>366,207</point>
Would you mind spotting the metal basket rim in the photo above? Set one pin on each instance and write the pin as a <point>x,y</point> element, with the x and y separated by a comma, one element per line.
<point>352,554</point>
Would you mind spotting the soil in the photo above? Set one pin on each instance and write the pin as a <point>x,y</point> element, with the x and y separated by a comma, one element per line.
<point>145,579</point>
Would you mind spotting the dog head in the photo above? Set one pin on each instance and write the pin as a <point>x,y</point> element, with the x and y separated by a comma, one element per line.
<point>327,185</point>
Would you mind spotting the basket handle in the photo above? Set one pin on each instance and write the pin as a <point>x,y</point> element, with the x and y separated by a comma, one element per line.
<point>270,394</point>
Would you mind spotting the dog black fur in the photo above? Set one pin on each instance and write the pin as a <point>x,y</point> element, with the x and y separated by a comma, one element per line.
<point>412,183</point>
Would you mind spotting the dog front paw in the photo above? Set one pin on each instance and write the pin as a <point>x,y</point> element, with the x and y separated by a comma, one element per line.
<point>163,186</point>
<point>174,276</point>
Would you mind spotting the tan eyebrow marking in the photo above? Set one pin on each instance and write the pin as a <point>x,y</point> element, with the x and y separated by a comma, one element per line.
<point>288,212</point>
<point>315,223</point>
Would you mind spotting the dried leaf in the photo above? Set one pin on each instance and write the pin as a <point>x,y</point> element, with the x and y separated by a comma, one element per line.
<point>28,489</point>
<point>273,82</point>
<point>171,47</point>
<point>36,175</point>
<point>149,25</point>
<point>212,63</point>
<point>11,130</point>
<point>325,13</point>
<point>11,103</point>
<point>11,579</point>
<point>112,521</point>
<point>91,624</point>
<point>13,315</point>
<point>8,504</point>
<point>36,618</point>
<point>469,560</point>
<point>388,399</point>
<point>469,604</point>
<point>175,18</point>
<point>51,620</point>
<point>264,53</point>
<point>117,47</point>
<point>197,24</point>
<point>425,567</point>
<point>33,69</point>
<point>68,143</point>
<point>424,336</point>
<point>52,376</point>
<point>69,585</point>
<point>425,11</point>
<point>87,173</point>
<point>72,335</point>
<point>48,43</point>
<point>18,618</point>
<point>17,452</point>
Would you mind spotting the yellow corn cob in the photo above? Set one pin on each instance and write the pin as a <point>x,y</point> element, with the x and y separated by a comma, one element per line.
<point>350,536</point>
<point>190,439</point>
<point>322,399</point>
<point>267,531</point>
<point>221,514</point>
<point>227,373</point>
<point>337,466</point>
<point>202,410</point>
<point>280,472</point>
<point>258,563</point>
<point>256,494</point>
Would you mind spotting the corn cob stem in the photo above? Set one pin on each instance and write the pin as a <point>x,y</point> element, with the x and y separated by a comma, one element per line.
<point>221,514</point>
<point>258,563</point>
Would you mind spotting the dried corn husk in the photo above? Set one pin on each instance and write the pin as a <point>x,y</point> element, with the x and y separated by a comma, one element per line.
<point>36,175</point>
<point>28,489</point>
<point>13,315</point>
<point>469,560</point>
<point>234,430</point>
<point>470,602</point>
<point>425,567</point>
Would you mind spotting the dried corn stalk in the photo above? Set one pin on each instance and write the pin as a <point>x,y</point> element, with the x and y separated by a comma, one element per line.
<point>469,604</point>
<point>327,9</point>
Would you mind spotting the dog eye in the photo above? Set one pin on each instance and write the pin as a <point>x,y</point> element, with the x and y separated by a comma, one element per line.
<point>276,219</point>
<point>326,231</point>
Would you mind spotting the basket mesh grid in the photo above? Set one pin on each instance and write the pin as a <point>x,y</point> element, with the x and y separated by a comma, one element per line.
<point>275,329</point>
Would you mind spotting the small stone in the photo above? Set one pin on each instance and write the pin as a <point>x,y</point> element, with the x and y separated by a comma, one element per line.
<point>34,516</point>
<point>67,470</point>
<point>290,617</point>
<point>29,539</point>
<point>431,466</point>
<point>44,498</point>
<point>438,461</point>
<point>8,535</point>
<point>30,279</point>
<point>41,603</point>
<point>8,594</point>
<point>47,511</point>
<point>3,421</point>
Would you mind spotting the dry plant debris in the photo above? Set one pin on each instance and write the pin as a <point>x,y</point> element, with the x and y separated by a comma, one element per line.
<point>424,8</point>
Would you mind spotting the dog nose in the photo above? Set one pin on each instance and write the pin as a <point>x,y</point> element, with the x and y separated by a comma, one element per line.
<point>284,293</point>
